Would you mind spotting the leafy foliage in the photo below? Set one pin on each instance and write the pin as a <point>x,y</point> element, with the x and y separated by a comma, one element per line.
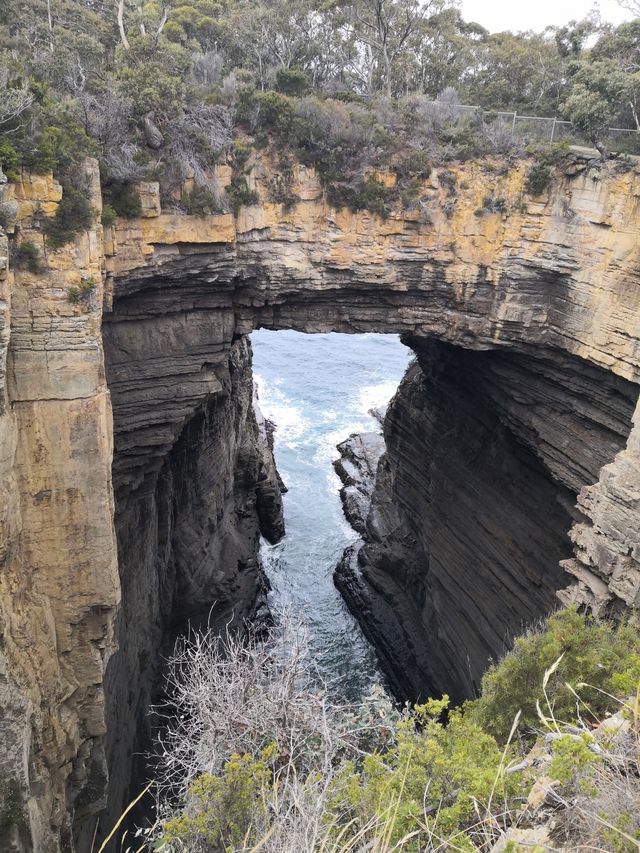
<point>9,160</point>
<point>160,93</point>
<point>601,657</point>
<point>73,214</point>
<point>123,199</point>
<point>200,201</point>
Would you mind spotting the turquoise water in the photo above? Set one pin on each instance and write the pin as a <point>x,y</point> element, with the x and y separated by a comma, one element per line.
<point>318,389</point>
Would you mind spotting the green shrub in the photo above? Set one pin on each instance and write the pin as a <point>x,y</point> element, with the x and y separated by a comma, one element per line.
<point>494,204</point>
<point>59,147</point>
<point>572,761</point>
<point>109,215</point>
<point>413,164</point>
<point>429,782</point>
<point>448,181</point>
<point>372,195</point>
<point>27,256</point>
<point>276,115</point>
<point>225,812</point>
<point>200,201</point>
<point>291,81</point>
<point>239,194</point>
<point>281,185</point>
<point>74,214</point>
<point>239,155</point>
<point>538,178</point>
<point>9,160</point>
<point>600,661</point>
<point>75,295</point>
<point>123,198</point>
<point>461,142</point>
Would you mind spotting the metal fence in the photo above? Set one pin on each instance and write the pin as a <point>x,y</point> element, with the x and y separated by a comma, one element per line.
<point>539,128</point>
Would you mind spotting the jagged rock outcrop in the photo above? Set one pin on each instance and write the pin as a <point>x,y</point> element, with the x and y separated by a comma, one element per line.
<point>530,299</point>
<point>356,467</point>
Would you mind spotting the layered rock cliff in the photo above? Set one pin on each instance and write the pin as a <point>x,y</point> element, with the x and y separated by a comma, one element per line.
<point>473,504</point>
<point>525,322</point>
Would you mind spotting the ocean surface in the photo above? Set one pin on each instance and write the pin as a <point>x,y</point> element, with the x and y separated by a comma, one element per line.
<point>318,389</point>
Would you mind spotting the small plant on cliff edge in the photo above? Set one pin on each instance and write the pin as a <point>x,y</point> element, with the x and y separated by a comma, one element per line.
<point>538,178</point>
<point>122,198</point>
<point>73,214</point>
<point>75,295</point>
<point>109,216</point>
<point>27,256</point>
<point>200,201</point>
<point>9,160</point>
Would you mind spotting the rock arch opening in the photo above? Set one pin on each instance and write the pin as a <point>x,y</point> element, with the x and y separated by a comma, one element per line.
<point>486,450</point>
<point>524,327</point>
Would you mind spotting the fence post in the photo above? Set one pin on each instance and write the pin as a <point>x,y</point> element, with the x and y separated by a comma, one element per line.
<point>553,128</point>
<point>513,126</point>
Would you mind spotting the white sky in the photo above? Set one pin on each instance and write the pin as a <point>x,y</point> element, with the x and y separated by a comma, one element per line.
<point>516,15</point>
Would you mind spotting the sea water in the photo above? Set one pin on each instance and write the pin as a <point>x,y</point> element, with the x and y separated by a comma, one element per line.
<point>318,389</point>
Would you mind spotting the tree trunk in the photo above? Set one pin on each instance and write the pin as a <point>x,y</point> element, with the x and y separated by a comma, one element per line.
<point>123,35</point>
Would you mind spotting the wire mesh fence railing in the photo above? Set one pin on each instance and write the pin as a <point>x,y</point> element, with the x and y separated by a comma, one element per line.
<point>538,128</point>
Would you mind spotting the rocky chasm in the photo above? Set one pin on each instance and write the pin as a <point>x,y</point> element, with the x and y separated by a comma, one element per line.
<point>135,476</point>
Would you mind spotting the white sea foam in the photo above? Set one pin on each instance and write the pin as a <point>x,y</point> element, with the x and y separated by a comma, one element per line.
<point>372,396</point>
<point>290,423</point>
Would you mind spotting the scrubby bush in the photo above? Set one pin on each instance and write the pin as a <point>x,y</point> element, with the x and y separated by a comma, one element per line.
<point>73,214</point>
<point>76,295</point>
<point>291,81</point>
<point>413,163</point>
<point>259,754</point>
<point>200,201</point>
<point>436,783</point>
<point>281,185</point>
<point>600,658</point>
<point>59,148</point>
<point>239,193</point>
<point>9,160</point>
<point>27,256</point>
<point>123,198</point>
<point>256,755</point>
<point>539,177</point>
<point>109,216</point>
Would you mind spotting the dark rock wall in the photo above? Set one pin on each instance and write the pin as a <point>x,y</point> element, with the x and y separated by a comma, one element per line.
<point>192,499</point>
<point>473,505</point>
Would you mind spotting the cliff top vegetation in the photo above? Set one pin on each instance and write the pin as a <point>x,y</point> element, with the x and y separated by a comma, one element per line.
<point>165,91</point>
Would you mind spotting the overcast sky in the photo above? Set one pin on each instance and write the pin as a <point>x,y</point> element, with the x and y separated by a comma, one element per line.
<point>515,15</point>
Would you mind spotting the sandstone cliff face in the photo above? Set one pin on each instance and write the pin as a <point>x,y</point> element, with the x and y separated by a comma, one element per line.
<point>58,578</point>
<point>545,297</point>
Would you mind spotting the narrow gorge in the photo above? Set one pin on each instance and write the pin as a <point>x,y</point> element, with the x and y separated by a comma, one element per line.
<point>136,477</point>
